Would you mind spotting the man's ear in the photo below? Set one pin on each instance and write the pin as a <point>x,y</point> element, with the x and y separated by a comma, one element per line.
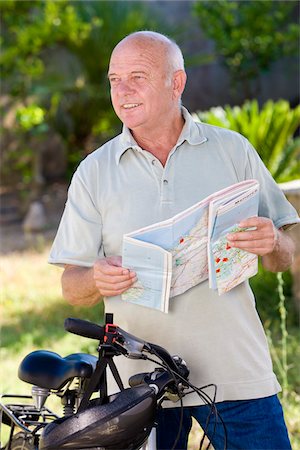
<point>179,80</point>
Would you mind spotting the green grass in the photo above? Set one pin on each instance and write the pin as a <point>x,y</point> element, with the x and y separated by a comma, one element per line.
<point>33,312</point>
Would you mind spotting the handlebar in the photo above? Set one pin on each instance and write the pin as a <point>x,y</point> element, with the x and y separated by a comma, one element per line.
<point>84,328</point>
<point>133,346</point>
<point>109,333</point>
<point>159,380</point>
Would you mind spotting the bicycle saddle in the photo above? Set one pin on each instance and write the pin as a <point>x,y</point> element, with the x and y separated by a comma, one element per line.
<point>49,370</point>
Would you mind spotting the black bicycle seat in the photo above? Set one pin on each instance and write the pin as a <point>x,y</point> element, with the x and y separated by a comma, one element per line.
<point>49,370</point>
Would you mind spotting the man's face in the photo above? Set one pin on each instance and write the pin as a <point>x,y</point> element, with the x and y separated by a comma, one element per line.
<point>140,94</point>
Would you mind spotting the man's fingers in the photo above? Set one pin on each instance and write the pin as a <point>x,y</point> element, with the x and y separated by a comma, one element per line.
<point>113,288</point>
<point>257,242</point>
<point>252,246</point>
<point>111,278</point>
<point>104,267</point>
<point>254,222</point>
<point>243,236</point>
<point>111,266</point>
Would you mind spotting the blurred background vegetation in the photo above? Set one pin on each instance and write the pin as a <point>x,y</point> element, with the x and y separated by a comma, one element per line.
<point>242,61</point>
<point>54,63</point>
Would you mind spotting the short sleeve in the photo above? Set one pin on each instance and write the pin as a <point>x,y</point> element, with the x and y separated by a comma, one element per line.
<point>79,236</point>
<point>273,203</point>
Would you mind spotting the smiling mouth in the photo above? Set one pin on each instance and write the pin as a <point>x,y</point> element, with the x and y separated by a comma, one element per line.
<point>130,105</point>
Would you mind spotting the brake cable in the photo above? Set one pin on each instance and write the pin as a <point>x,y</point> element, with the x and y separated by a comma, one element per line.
<point>204,397</point>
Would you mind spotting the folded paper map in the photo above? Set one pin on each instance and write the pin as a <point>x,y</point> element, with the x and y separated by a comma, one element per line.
<point>173,256</point>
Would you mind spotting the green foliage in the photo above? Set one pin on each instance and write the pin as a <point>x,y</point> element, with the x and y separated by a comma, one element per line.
<point>269,129</point>
<point>265,287</point>
<point>250,35</point>
<point>25,37</point>
<point>278,312</point>
<point>55,56</point>
<point>30,116</point>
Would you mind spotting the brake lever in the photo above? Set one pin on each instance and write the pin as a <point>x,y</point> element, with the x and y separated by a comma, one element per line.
<point>134,346</point>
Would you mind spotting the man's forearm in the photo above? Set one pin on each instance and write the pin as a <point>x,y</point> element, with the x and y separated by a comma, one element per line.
<point>78,286</point>
<point>282,256</point>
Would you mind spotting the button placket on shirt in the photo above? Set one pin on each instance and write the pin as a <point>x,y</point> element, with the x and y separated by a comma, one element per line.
<point>156,169</point>
<point>166,195</point>
<point>162,175</point>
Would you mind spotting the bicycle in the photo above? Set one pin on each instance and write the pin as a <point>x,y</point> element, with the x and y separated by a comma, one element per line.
<point>91,418</point>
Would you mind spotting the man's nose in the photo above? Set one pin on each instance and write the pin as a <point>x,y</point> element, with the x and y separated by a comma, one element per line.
<point>125,87</point>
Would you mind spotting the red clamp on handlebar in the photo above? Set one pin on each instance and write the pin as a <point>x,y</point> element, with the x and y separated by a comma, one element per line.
<point>110,333</point>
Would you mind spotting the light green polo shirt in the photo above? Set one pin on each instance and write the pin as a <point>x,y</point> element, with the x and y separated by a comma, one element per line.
<point>119,188</point>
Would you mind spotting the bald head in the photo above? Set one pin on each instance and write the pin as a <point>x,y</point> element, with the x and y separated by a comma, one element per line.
<point>166,49</point>
<point>147,80</point>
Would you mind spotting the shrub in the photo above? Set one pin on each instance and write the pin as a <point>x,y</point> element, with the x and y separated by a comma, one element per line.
<point>269,129</point>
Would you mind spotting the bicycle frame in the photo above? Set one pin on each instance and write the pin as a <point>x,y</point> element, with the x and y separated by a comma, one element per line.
<point>40,428</point>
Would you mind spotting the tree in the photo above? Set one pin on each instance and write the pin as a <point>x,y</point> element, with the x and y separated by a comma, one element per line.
<point>55,57</point>
<point>250,35</point>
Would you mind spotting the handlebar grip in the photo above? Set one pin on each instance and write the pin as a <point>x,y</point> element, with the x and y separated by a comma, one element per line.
<point>84,328</point>
<point>159,379</point>
<point>137,379</point>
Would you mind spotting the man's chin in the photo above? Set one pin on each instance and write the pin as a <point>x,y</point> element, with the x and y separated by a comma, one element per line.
<point>132,124</point>
<point>131,118</point>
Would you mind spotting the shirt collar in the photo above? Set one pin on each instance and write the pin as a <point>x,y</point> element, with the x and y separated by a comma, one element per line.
<point>191,132</point>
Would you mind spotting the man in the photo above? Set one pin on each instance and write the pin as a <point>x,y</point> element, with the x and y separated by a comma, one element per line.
<point>162,163</point>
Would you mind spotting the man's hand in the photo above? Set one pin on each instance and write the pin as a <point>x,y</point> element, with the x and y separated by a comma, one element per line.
<point>86,286</point>
<point>111,278</point>
<point>275,246</point>
<point>261,240</point>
